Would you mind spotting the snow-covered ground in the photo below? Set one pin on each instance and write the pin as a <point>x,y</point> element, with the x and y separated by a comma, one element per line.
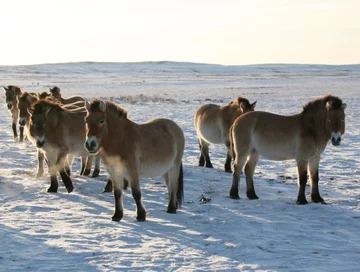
<point>40,231</point>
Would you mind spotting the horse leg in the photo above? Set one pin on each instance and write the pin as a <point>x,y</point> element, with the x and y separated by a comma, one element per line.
<point>136,193</point>
<point>201,158</point>
<point>109,186</point>
<point>118,197</point>
<point>21,134</point>
<point>14,131</point>
<point>52,171</point>
<point>88,165</point>
<point>68,164</point>
<point>227,165</point>
<point>302,180</point>
<point>41,158</point>
<point>253,159</point>
<point>313,168</point>
<point>171,180</point>
<point>83,164</point>
<point>61,160</point>
<point>204,150</point>
<point>97,166</point>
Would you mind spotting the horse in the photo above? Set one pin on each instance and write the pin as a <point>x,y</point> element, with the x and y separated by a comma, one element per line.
<point>302,137</point>
<point>131,151</point>
<point>11,94</point>
<point>55,93</point>
<point>58,132</point>
<point>212,124</point>
<point>24,102</point>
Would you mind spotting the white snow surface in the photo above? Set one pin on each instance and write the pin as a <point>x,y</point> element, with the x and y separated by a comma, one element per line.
<point>42,231</point>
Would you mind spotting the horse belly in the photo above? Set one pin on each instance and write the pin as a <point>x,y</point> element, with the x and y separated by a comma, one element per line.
<point>154,169</point>
<point>211,133</point>
<point>275,151</point>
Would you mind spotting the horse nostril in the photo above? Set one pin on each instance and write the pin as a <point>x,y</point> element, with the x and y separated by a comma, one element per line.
<point>92,144</point>
<point>40,143</point>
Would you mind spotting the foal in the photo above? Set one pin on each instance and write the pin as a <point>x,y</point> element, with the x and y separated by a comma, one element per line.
<point>11,94</point>
<point>302,137</point>
<point>130,151</point>
<point>212,124</point>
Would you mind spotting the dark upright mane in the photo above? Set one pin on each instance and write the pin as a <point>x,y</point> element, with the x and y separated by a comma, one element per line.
<point>110,106</point>
<point>240,100</point>
<point>25,95</point>
<point>42,105</point>
<point>314,105</point>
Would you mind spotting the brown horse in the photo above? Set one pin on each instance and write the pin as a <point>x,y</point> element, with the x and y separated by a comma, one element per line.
<point>276,137</point>
<point>55,93</point>
<point>11,94</point>
<point>24,103</point>
<point>58,132</point>
<point>212,124</point>
<point>130,151</point>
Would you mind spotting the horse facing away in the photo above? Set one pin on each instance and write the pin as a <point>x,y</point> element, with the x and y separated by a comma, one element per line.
<point>58,132</point>
<point>130,151</point>
<point>212,124</point>
<point>11,94</point>
<point>55,93</point>
<point>276,137</point>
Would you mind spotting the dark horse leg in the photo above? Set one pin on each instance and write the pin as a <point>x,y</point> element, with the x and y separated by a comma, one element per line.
<point>21,134</point>
<point>136,193</point>
<point>53,179</point>
<point>314,178</point>
<point>204,155</point>
<point>96,171</point>
<point>249,173</point>
<point>118,197</point>
<point>302,180</point>
<point>62,161</point>
<point>14,130</point>
<point>239,161</point>
<point>227,165</point>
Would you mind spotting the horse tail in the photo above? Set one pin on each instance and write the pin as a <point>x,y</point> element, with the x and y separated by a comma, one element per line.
<point>180,190</point>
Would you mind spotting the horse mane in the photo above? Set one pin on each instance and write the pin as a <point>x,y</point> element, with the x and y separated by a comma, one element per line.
<point>42,105</point>
<point>55,89</point>
<point>321,102</point>
<point>239,100</point>
<point>26,96</point>
<point>110,107</point>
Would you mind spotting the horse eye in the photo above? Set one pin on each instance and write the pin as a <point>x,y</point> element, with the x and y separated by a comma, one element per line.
<point>101,122</point>
<point>342,119</point>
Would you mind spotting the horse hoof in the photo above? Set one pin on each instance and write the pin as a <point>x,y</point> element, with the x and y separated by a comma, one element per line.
<point>209,166</point>
<point>301,202</point>
<point>52,190</point>
<point>115,218</point>
<point>95,174</point>
<point>317,199</point>
<point>234,193</point>
<point>171,210</point>
<point>252,195</point>
<point>70,189</point>
<point>86,173</point>
<point>141,215</point>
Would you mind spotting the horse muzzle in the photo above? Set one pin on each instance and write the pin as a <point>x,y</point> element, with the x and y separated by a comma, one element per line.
<point>40,143</point>
<point>336,138</point>
<point>91,146</point>
<point>9,106</point>
<point>22,123</point>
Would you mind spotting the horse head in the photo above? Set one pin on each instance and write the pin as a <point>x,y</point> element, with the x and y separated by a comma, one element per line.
<point>336,119</point>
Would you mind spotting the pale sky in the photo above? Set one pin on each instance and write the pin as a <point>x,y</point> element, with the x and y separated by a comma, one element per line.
<point>206,31</point>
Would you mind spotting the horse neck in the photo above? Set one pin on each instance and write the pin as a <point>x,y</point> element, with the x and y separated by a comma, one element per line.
<point>316,121</point>
<point>230,113</point>
<point>117,130</point>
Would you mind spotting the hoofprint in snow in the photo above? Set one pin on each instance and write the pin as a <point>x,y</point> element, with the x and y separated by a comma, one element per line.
<point>41,231</point>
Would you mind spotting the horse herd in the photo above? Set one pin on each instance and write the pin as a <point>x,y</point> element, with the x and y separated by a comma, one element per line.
<point>62,129</point>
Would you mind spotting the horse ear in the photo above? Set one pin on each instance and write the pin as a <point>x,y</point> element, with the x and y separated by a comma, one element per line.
<point>30,111</point>
<point>102,106</point>
<point>252,106</point>
<point>6,89</point>
<point>343,106</point>
<point>47,110</point>
<point>18,91</point>
<point>87,105</point>
<point>328,105</point>
<point>243,107</point>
